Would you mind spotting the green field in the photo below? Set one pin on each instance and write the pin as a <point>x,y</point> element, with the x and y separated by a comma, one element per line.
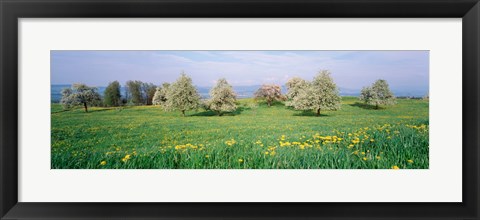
<point>146,137</point>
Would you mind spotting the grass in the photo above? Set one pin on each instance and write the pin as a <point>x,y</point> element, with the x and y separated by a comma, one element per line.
<point>146,137</point>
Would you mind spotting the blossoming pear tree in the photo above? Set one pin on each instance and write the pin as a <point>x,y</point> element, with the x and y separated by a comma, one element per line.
<point>320,94</point>
<point>182,95</point>
<point>222,98</point>
<point>378,94</point>
<point>79,94</point>
<point>294,86</point>
<point>160,96</point>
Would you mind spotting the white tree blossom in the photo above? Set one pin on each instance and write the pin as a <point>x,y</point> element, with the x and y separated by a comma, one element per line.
<point>378,94</point>
<point>320,94</point>
<point>182,95</point>
<point>222,98</point>
<point>160,96</point>
<point>294,86</point>
<point>79,94</point>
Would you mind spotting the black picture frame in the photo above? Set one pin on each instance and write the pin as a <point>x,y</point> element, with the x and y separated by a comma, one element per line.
<point>12,10</point>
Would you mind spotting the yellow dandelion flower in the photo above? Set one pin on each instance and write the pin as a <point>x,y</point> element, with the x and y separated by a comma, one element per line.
<point>240,160</point>
<point>363,153</point>
<point>207,156</point>
<point>103,163</point>
<point>395,167</point>
<point>266,152</point>
<point>378,157</point>
<point>365,159</point>
<point>410,161</point>
<point>127,156</point>
<point>230,142</point>
<point>272,153</point>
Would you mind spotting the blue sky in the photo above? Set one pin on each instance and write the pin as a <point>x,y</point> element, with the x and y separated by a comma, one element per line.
<point>404,70</point>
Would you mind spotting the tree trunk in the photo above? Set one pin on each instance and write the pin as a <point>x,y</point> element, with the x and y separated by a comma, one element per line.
<point>376,106</point>
<point>318,112</point>
<point>183,113</point>
<point>85,106</point>
<point>269,103</point>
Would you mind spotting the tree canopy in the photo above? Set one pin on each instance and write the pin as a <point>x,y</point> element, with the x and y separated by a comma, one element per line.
<point>320,94</point>
<point>294,86</point>
<point>160,96</point>
<point>140,93</point>
<point>111,95</point>
<point>134,92</point>
<point>148,91</point>
<point>79,94</point>
<point>222,97</point>
<point>378,94</point>
<point>182,95</point>
<point>269,92</point>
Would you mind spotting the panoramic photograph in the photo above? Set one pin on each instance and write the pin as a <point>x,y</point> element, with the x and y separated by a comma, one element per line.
<point>239,109</point>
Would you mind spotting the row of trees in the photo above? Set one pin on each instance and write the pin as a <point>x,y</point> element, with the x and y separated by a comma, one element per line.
<point>319,94</point>
<point>322,93</point>
<point>136,93</point>
<point>183,96</point>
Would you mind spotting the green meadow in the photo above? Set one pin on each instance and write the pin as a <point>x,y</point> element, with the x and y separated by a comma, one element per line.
<point>276,137</point>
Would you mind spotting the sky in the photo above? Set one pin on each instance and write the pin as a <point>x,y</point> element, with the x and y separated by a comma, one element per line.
<point>404,70</point>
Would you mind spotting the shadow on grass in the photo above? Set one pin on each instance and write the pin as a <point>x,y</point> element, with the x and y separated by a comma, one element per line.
<point>99,110</point>
<point>310,114</point>
<point>274,104</point>
<point>210,113</point>
<point>59,111</point>
<point>112,108</point>
<point>80,109</point>
<point>365,106</point>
